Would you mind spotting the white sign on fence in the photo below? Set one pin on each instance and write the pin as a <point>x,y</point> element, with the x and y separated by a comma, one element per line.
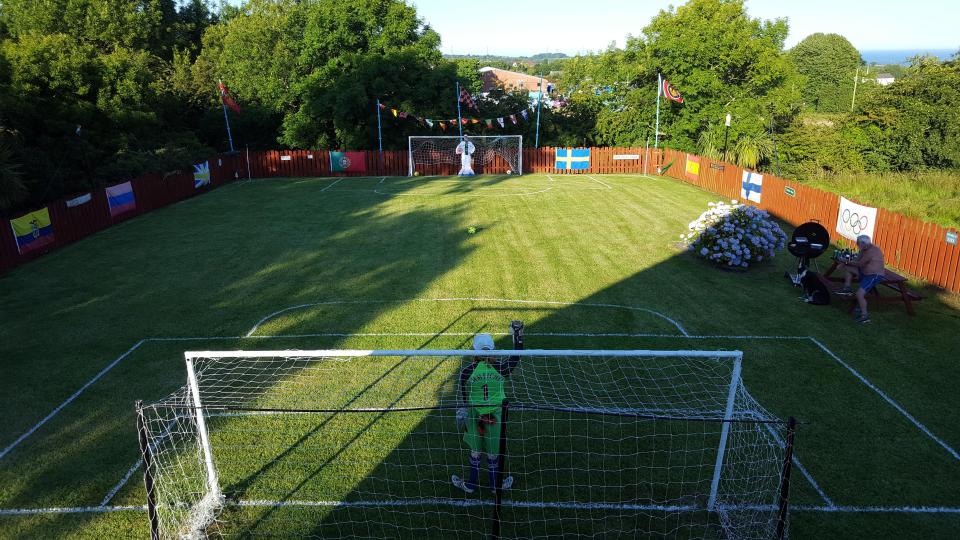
<point>854,219</point>
<point>286,158</point>
<point>623,157</point>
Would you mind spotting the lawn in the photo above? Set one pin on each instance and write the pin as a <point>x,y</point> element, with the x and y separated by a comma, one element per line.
<point>587,262</point>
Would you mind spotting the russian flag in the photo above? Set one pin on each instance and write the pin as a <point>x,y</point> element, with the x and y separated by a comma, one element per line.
<point>120,199</point>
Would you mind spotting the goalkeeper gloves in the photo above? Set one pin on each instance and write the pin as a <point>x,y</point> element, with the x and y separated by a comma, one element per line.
<point>461,418</point>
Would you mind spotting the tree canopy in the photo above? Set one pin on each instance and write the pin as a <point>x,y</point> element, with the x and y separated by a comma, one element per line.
<point>829,63</point>
<point>97,91</point>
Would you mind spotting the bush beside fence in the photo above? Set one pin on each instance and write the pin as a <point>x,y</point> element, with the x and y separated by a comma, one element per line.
<point>910,245</point>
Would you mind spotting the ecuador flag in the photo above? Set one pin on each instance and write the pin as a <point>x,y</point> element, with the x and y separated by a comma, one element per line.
<point>32,231</point>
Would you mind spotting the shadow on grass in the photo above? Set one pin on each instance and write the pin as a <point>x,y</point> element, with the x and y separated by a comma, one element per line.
<point>265,253</point>
<point>706,302</point>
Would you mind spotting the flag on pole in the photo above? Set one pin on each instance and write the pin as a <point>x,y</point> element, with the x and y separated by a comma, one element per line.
<point>467,99</point>
<point>32,231</point>
<point>227,98</point>
<point>671,93</point>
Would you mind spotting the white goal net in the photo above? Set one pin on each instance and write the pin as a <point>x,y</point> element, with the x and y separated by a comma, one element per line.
<point>369,444</point>
<point>437,156</point>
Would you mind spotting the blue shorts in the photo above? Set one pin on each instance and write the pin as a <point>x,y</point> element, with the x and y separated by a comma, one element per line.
<point>869,281</point>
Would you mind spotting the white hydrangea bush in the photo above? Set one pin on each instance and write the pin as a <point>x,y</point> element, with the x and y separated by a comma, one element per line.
<point>734,235</point>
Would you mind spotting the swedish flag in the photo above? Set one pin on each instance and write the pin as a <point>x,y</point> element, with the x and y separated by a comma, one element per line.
<point>573,158</point>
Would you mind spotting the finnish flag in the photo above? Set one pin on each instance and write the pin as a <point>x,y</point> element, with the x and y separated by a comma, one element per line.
<point>751,186</point>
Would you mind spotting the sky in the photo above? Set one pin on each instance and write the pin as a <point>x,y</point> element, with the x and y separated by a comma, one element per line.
<point>512,27</point>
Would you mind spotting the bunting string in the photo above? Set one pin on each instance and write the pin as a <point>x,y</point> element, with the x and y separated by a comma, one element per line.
<point>489,123</point>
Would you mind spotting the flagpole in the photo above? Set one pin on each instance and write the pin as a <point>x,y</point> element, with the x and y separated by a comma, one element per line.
<point>226,120</point>
<point>459,122</point>
<point>536,140</point>
<point>656,129</point>
<point>379,134</point>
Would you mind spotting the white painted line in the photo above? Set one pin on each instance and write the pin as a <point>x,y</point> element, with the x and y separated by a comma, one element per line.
<point>69,510</point>
<point>598,181</point>
<point>801,468</point>
<point>381,180</point>
<point>511,193</point>
<point>331,185</point>
<point>126,478</point>
<point>69,400</point>
<point>890,400</point>
<point>550,178</point>
<point>518,504</point>
<point>468,299</point>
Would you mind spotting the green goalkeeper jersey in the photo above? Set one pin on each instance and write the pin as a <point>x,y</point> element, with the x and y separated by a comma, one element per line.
<point>485,388</point>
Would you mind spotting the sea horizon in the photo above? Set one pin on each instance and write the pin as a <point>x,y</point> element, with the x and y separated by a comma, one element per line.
<point>902,56</point>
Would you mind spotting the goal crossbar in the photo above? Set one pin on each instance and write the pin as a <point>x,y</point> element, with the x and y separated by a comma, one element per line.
<point>326,353</point>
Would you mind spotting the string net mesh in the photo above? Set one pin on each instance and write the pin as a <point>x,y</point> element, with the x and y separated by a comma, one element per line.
<point>597,445</point>
<point>432,156</point>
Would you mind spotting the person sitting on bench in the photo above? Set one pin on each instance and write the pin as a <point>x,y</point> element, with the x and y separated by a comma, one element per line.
<point>869,266</point>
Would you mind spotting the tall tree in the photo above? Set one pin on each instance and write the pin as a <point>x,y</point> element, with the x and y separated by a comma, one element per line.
<point>829,63</point>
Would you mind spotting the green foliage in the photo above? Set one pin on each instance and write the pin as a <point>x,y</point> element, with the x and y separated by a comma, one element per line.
<point>828,63</point>
<point>932,196</point>
<point>915,122</point>
<point>102,65</point>
<point>721,61</point>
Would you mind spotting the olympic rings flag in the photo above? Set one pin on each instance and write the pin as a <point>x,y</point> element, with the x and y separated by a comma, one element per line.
<point>854,219</point>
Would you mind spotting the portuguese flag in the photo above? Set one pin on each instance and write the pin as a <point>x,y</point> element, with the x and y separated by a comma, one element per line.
<point>348,162</point>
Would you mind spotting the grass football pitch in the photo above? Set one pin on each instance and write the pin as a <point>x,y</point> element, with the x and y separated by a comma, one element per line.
<point>587,262</point>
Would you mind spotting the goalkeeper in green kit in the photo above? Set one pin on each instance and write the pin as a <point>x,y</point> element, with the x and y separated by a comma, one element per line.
<point>480,397</point>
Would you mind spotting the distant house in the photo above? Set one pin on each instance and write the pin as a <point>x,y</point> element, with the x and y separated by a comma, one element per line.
<point>884,79</point>
<point>511,81</point>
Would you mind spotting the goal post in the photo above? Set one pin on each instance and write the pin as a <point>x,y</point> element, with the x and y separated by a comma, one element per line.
<point>437,155</point>
<point>369,443</point>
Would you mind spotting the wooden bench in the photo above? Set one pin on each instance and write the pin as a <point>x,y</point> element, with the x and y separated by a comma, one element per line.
<point>891,281</point>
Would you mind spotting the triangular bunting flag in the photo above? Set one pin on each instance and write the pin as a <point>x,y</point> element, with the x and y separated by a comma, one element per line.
<point>500,121</point>
<point>394,111</point>
<point>403,114</point>
<point>523,113</point>
<point>513,118</point>
<point>382,106</point>
<point>474,120</point>
<point>489,123</point>
<point>428,121</point>
<point>464,121</point>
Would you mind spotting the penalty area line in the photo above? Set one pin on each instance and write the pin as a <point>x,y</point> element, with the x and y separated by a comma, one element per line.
<point>70,399</point>
<point>889,400</point>
<point>331,185</point>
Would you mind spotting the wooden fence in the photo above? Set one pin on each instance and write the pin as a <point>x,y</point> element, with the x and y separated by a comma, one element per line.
<point>910,245</point>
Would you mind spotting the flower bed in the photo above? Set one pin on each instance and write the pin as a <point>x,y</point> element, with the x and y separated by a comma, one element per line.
<point>734,235</point>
